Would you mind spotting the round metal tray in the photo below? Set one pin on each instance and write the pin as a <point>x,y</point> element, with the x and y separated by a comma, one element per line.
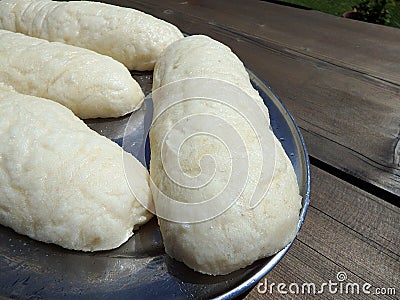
<point>140,269</point>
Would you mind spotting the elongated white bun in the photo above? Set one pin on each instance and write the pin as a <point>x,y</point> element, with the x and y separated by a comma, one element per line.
<point>61,182</point>
<point>90,84</point>
<point>241,234</point>
<point>127,35</point>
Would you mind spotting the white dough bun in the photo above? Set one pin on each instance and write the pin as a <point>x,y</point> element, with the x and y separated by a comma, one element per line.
<point>61,182</point>
<point>90,84</point>
<point>241,234</point>
<point>129,36</point>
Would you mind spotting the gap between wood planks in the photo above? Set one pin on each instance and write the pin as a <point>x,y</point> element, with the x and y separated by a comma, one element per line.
<point>361,184</point>
<point>287,4</point>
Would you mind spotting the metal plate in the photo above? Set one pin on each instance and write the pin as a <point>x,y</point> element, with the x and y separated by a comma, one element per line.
<point>139,269</point>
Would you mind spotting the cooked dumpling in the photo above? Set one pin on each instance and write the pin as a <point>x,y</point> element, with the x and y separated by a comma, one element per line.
<point>127,35</point>
<point>242,233</point>
<point>90,84</point>
<point>61,182</point>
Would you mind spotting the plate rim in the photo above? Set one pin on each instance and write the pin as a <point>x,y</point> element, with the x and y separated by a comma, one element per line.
<point>248,282</point>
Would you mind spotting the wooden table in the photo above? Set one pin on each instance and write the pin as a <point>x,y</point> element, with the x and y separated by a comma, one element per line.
<point>340,79</point>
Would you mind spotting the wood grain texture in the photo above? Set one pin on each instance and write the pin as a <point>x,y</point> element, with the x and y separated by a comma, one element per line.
<point>311,33</point>
<point>346,230</point>
<point>342,89</point>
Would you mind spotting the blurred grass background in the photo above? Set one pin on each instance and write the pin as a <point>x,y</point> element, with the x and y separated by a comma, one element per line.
<point>338,7</point>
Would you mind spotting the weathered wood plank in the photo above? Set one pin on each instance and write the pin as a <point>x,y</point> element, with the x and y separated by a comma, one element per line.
<point>376,220</point>
<point>355,43</point>
<point>350,118</point>
<point>346,230</point>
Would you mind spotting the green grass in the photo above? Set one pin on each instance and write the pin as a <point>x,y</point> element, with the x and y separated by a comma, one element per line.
<point>337,8</point>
